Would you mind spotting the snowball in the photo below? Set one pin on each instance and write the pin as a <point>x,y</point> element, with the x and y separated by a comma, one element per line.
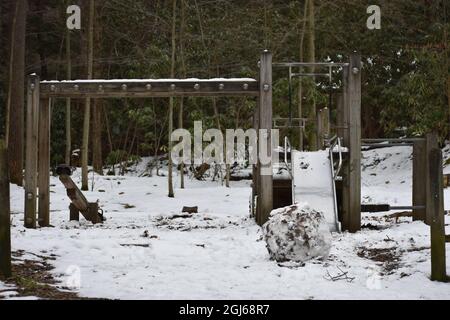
<point>297,233</point>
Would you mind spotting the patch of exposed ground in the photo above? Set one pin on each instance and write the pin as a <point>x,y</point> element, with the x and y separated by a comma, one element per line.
<point>388,258</point>
<point>33,278</point>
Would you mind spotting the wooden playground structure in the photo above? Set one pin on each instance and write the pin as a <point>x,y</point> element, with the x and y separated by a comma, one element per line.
<point>427,206</point>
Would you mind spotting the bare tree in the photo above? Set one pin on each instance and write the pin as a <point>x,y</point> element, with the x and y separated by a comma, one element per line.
<point>312,136</point>
<point>300,88</point>
<point>183,70</point>
<point>68,100</point>
<point>97,127</point>
<point>87,110</point>
<point>15,102</point>
<point>172,75</point>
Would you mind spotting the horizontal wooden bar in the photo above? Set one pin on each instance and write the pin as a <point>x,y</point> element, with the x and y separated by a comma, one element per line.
<point>375,207</point>
<point>149,88</point>
<point>387,207</point>
<point>408,207</point>
<point>447,238</point>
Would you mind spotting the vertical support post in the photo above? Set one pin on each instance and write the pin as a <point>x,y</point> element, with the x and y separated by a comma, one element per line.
<point>255,173</point>
<point>435,212</point>
<point>344,118</point>
<point>44,163</point>
<point>431,143</point>
<point>74,213</point>
<point>5,218</point>
<point>31,151</point>
<point>419,179</point>
<point>353,105</point>
<point>265,179</point>
<point>323,127</point>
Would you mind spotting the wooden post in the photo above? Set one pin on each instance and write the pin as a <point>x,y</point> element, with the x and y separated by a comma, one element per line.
<point>344,123</point>
<point>5,219</point>
<point>323,127</point>
<point>255,172</point>
<point>353,104</point>
<point>265,188</point>
<point>74,213</point>
<point>431,143</point>
<point>44,162</point>
<point>31,151</point>
<point>435,212</point>
<point>419,179</point>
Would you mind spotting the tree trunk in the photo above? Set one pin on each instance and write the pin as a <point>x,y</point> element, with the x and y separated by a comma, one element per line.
<point>97,157</point>
<point>172,75</point>
<point>183,68</point>
<point>97,127</point>
<point>87,109</point>
<point>108,130</point>
<point>68,100</point>
<point>16,100</point>
<point>300,88</point>
<point>312,136</point>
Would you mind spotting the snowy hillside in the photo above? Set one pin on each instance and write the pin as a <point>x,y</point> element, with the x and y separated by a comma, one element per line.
<point>148,250</point>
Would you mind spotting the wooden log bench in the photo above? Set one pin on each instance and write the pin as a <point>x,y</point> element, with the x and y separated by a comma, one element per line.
<point>79,203</point>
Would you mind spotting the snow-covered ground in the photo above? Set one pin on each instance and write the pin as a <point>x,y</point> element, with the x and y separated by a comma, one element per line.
<point>143,251</point>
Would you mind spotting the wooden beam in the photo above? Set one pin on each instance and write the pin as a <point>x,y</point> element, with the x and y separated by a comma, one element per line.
<point>435,212</point>
<point>32,120</point>
<point>343,123</point>
<point>5,218</point>
<point>255,172</point>
<point>149,88</point>
<point>354,117</point>
<point>79,202</point>
<point>323,127</point>
<point>431,143</point>
<point>265,188</point>
<point>419,179</point>
<point>44,162</point>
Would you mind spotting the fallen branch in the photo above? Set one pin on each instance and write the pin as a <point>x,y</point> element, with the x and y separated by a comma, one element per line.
<point>341,276</point>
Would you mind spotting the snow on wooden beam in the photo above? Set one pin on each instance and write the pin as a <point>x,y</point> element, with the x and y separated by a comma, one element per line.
<point>147,88</point>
